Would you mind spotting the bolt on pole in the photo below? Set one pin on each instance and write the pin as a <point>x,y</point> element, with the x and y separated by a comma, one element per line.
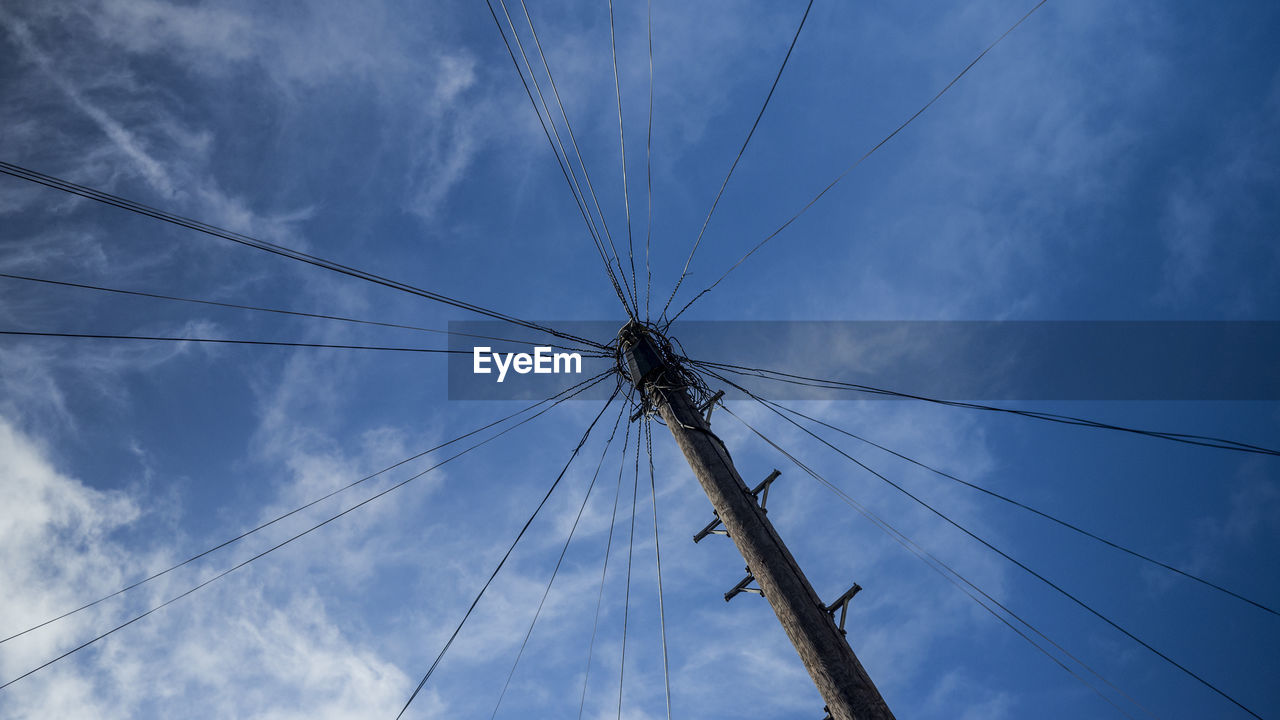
<point>831,662</point>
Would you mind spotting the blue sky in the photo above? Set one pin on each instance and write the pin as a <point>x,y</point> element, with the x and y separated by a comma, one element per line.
<point>1105,162</point>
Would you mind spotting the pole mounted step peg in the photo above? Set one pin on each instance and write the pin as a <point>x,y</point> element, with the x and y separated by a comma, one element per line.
<point>842,604</point>
<point>761,493</point>
<point>712,528</point>
<point>742,587</point>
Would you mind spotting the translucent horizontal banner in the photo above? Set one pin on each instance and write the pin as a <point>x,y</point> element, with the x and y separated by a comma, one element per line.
<point>1013,360</point>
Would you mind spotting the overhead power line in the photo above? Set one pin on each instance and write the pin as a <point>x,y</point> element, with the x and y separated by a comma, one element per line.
<point>87,336</point>
<point>648,166</point>
<point>566,167</point>
<point>734,165</point>
<point>559,561</point>
<point>573,139</point>
<point>1028,508</point>
<point>1056,587</point>
<point>962,583</point>
<point>604,569</point>
<point>626,603</point>
<point>277,546</point>
<point>436,663</point>
<point>557,398</point>
<point>657,556</point>
<point>242,239</point>
<point>255,308</point>
<point>858,162</point>
<point>1187,438</point>
<point>622,143</point>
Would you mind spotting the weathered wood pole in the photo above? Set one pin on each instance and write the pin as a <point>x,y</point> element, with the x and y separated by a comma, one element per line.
<point>831,662</point>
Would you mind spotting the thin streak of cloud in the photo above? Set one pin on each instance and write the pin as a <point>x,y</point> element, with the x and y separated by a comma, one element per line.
<point>130,145</point>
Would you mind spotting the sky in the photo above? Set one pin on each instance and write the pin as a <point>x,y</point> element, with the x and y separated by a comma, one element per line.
<point>1104,162</point>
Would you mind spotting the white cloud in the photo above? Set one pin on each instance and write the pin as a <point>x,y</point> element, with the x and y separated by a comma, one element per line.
<point>229,651</point>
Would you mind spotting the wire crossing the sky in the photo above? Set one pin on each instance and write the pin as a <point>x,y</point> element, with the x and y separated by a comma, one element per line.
<point>557,398</point>
<point>622,143</point>
<point>657,557</point>
<point>604,569</point>
<point>625,293</point>
<point>278,311</point>
<point>573,139</point>
<point>1062,591</point>
<point>436,663</point>
<point>275,547</point>
<point>732,166</point>
<point>626,604</point>
<point>858,162</point>
<point>566,167</point>
<point>648,166</point>
<point>559,561</point>
<point>87,336</point>
<point>242,239</point>
<point>952,575</point>
<point>1187,438</point>
<point>1028,508</point>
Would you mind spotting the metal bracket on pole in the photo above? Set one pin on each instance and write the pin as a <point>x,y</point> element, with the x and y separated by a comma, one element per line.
<point>711,529</point>
<point>842,604</point>
<point>741,587</point>
<point>706,407</point>
<point>760,493</point>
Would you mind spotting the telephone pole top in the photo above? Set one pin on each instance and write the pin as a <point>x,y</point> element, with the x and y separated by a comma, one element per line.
<point>655,370</point>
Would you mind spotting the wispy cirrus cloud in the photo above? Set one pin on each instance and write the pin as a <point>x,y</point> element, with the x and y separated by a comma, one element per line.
<point>124,140</point>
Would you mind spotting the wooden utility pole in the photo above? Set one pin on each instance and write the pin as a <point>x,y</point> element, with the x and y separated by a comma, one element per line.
<point>840,678</point>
